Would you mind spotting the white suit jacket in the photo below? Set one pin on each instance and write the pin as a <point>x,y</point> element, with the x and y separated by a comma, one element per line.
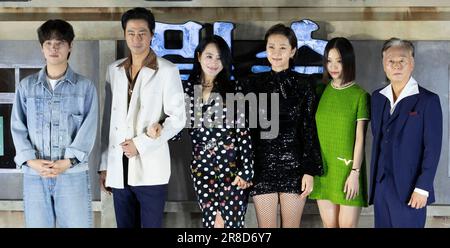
<point>156,95</point>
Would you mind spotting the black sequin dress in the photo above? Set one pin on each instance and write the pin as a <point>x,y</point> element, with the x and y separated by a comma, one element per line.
<point>280,162</point>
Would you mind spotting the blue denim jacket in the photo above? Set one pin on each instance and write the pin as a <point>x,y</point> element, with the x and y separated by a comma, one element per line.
<point>53,125</point>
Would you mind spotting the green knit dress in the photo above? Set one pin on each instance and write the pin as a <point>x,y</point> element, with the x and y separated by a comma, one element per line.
<point>336,118</point>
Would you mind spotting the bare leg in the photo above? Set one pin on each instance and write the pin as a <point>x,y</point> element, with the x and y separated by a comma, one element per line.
<point>218,223</point>
<point>349,216</point>
<point>329,213</point>
<point>266,210</point>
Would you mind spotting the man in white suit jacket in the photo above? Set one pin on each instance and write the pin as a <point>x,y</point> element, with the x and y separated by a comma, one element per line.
<point>141,89</point>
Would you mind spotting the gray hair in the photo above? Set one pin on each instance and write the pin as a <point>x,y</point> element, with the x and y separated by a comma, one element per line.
<point>396,42</point>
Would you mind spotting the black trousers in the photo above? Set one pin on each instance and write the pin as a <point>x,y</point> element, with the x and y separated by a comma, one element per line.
<point>139,206</point>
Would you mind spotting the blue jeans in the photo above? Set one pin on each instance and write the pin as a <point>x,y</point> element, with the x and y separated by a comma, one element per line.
<point>64,201</point>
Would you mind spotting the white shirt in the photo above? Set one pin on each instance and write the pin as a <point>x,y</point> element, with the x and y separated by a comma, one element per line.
<point>411,88</point>
<point>53,82</point>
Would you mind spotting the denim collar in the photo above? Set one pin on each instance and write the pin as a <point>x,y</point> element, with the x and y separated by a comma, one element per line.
<point>69,76</point>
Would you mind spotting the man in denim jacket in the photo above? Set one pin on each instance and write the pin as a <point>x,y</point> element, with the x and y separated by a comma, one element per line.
<point>54,123</point>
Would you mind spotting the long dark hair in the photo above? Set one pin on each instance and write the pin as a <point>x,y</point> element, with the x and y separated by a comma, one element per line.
<point>222,80</point>
<point>345,49</point>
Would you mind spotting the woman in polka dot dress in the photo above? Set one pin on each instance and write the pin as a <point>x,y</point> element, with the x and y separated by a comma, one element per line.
<point>222,164</point>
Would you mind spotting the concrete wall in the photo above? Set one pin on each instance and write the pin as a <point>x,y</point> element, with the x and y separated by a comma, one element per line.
<point>230,3</point>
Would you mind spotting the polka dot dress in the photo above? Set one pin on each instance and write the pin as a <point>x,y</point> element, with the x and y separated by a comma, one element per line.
<point>220,153</point>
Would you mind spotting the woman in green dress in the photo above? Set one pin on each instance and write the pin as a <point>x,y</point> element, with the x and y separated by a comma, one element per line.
<point>342,117</point>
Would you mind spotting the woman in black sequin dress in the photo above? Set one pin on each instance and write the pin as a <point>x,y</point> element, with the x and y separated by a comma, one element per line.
<point>284,165</point>
<point>222,163</point>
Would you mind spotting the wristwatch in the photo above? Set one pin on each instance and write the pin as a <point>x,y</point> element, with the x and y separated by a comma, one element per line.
<point>73,162</point>
<point>356,169</point>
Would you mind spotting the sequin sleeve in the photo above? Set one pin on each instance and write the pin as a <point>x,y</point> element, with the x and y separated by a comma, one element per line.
<point>311,157</point>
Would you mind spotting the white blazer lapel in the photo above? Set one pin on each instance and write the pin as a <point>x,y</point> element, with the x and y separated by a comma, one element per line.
<point>143,78</point>
<point>147,75</point>
<point>122,82</point>
<point>120,90</point>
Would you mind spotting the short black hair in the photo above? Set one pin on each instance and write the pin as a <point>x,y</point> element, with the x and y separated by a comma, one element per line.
<point>56,29</point>
<point>286,32</point>
<point>139,13</point>
<point>347,53</point>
